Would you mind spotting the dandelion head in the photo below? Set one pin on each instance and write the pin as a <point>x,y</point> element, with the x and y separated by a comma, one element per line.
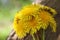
<point>32,18</point>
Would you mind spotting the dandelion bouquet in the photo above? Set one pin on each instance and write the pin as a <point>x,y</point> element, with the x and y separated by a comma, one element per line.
<point>32,18</point>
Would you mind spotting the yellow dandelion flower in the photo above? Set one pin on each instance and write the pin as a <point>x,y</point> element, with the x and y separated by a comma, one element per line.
<point>33,17</point>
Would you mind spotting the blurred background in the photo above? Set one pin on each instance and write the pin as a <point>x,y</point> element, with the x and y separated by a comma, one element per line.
<point>8,9</point>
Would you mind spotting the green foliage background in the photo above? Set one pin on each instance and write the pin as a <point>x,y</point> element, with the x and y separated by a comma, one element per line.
<point>8,8</point>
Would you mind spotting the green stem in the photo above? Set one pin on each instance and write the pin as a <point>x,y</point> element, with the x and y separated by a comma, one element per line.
<point>33,37</point>
<point>43,35</point>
